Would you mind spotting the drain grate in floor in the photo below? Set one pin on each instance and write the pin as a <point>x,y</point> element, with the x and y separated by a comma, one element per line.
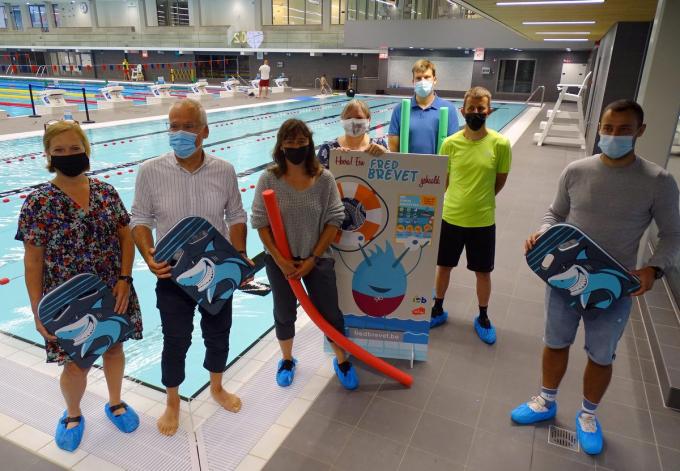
<point>563,438</point>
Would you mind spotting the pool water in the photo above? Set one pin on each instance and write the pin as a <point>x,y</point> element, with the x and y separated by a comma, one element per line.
<point>15,98</point>
<point>245,138</point>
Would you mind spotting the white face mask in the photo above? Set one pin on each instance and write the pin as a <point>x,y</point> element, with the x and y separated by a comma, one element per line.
<point>355,127</point>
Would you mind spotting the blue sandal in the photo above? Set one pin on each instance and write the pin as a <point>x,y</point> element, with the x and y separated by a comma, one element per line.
<point>69,439</point>
<point>126,422</point>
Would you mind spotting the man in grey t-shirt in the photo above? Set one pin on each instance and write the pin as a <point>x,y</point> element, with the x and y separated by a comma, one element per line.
<point>613,198</point>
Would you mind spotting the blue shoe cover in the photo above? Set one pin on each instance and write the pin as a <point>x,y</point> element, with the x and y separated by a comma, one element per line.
<point>349,380</point>
<point>591,441</point>
<point>126,422</point>
<point>525,415</point>
<point>487,335</point>
<point>436,321</point>
<point>69,439</point>
<point>284,378</point>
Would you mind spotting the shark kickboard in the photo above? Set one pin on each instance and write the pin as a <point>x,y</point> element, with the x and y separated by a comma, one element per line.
<point>80,313</point>
<point>204,264</point>
<point>573,264</point>
<point>257,288</point>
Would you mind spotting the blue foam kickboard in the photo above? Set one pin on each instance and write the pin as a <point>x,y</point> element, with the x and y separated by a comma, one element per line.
<point>80,314</point>
<point>579,269</point>
<point>204,264</point>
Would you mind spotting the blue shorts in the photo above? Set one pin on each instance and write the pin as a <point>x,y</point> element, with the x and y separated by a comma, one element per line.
<point>604,327</point>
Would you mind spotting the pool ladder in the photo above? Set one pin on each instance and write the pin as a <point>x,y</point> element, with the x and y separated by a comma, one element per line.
<point>542,89</point>
<point>42,71</point>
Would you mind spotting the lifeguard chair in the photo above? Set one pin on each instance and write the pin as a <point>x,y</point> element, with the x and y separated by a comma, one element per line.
<point>160,94</point>
<point>52,101</point>
<point>199,91</point>
<point>137,74</point>
<point>573,134</point>
<point>113,98</point>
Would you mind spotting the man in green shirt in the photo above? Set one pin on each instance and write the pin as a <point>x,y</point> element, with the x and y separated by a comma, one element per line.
<point>479,162</point>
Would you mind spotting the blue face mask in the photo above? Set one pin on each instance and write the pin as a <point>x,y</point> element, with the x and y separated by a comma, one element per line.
<point>423,88</point>
<point>183,143</point>
<point>616,147</point>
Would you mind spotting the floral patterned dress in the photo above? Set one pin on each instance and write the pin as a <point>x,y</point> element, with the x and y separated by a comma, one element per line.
<point>77,242</point>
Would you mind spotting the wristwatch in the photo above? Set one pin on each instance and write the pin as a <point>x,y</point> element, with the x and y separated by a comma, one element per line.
<point>125,278</point>
<point>658,273</point>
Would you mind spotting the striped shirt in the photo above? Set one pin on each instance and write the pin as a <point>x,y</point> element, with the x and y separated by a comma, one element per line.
<point>165,193</point>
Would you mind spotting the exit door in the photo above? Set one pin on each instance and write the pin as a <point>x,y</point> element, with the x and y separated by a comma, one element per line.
<point>573,73</point>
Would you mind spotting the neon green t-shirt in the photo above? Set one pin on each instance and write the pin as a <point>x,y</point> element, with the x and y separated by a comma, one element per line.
<point>470,199</point>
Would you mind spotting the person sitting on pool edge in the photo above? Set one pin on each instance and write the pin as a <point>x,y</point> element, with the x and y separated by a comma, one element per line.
<point>312,213</point>
<point>73,225</point>
<point>356,120</point>
<point>425,106</point>
<point>181,183</point>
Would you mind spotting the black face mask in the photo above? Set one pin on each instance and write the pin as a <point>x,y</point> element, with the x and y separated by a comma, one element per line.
<point>71,165</point>
<point>296,155</point>
<point>475,120</point>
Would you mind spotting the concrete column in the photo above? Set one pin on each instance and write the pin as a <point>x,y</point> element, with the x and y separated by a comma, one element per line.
<point>49,12</point>
<point>25,16</point>
<point>141,13</point>
<point>94,19</point>
<point>659,93</point>
<point>195,13</point>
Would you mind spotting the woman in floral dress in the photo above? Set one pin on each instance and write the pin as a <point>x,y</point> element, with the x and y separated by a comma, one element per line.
<point>73,225</point>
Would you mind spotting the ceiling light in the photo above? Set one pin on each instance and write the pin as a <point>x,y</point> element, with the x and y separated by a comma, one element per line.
<point>558,22</point>
<point>577,33</point>
<point>566,39</point>
<point>547,2</point>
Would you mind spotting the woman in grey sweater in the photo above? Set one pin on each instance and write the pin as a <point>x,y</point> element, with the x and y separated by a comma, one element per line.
<point>312,213</point>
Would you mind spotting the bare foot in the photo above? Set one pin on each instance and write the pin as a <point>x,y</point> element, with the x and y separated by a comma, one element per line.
<point>230,402</point>
<point>168,422</point>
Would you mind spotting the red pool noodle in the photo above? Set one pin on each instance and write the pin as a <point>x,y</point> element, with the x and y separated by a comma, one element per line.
<point>281,241</point>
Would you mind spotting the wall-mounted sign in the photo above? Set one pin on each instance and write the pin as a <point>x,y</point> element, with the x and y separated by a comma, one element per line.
<point>486,70</point>
<point>145,54</point>
<point>254,38</point>
<point>353,67</point>
<point>279,64</point>
<point>479,54</point>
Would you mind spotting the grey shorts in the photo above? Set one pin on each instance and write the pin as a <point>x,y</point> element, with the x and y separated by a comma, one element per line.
<point>603,327</point>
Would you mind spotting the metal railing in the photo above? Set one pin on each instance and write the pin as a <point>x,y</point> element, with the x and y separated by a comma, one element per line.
<point>542,89</point>
<point>42,71</point>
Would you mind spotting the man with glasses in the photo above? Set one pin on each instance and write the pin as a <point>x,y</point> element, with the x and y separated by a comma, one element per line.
<point>612,197</point>
<point>181,183</point>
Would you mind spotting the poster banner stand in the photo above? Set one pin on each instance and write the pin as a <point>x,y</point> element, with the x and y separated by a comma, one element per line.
<point>386,251</point>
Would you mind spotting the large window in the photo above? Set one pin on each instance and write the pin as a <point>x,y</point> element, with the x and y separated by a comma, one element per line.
<point>15,13</point>
<point>338,12</point>
<point>292,12</point>
<point>38,14</point>
<point>172,12</point>
<point>515,76</point>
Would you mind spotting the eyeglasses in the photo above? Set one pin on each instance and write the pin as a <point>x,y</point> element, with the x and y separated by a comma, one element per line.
<point>55,121</point>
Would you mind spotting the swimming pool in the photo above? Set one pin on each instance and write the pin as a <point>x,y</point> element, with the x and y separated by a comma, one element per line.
<point>244,137</point>
<point>15,98</point>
